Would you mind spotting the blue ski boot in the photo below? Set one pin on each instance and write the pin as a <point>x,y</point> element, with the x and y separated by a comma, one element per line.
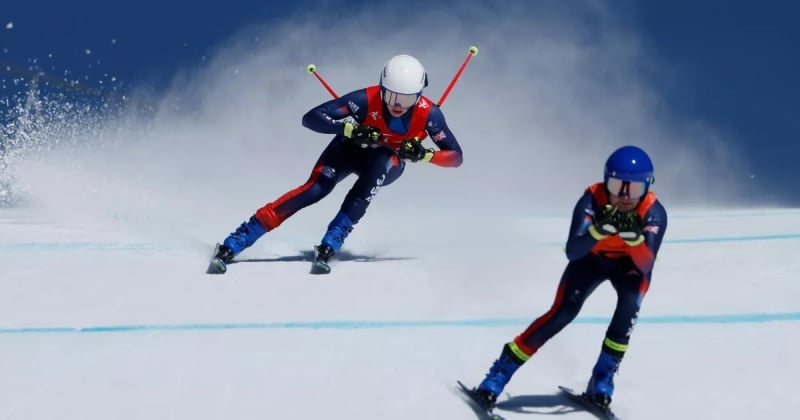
<point>601,384</point>
<point>338,229</point>
<point>499,374</point>
<point>244,236</point>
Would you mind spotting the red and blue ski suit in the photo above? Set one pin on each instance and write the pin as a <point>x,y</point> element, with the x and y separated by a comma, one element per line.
<point>375,167</point>
<point>592,261</point>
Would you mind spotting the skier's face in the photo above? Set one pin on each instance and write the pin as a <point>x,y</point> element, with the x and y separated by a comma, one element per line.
<point>397,110</point>
<point>398,103</point>
<point>624,203</point>
<point>625,194</point>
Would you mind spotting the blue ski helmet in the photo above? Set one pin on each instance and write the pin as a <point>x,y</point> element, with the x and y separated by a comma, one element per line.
<point>630,164</point>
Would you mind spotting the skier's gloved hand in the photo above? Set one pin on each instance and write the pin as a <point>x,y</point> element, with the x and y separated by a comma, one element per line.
<point>362,135</point>
<point>413,150</point>
<point>630,228</point>
<point>605,222</point>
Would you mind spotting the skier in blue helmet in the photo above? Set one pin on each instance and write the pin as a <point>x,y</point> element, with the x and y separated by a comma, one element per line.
<point>616,231</point>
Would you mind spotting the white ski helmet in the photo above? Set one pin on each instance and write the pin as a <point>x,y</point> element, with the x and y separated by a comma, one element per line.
<point>402,81</point>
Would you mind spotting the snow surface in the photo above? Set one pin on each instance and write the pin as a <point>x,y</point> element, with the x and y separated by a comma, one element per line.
<point>99,323</point>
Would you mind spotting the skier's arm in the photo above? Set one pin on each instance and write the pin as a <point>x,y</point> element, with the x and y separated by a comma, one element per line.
<point>655,224</point>
<point>579,241</point>
<point>327,117</point>
<point>449,153</point>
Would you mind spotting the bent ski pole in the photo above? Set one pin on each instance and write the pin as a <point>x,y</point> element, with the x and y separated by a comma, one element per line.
<point>313,70</point>
<point>473,51</point>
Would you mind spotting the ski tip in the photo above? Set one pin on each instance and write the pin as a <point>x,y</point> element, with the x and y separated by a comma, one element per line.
<point>216,266</point>
<point>320,268</point>
<point>485,413</point>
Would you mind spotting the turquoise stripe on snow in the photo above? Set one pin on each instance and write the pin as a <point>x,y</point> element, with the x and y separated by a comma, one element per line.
<point>366,324</point>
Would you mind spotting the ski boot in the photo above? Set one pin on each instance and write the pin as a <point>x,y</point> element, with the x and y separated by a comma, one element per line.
<point>338,229</point>
<point>601,384</point>
<point>244,236</point>
<point>499,374</point>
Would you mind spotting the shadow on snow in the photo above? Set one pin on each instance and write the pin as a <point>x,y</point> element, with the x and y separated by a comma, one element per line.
<point>308,256</point>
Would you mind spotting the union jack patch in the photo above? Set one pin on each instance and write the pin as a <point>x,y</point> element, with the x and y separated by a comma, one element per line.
<point>651,228</point>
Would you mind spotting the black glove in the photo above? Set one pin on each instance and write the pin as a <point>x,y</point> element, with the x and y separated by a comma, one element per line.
<point>362,135</point>
<point>413,150</point>
<point>630,228</point>
<point>606,222</point>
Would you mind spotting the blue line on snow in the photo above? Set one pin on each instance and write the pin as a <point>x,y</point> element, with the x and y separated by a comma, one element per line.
<point>735,238</point>
<point>478,322</point>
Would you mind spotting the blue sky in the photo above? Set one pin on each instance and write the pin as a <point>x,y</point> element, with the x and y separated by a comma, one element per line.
<point>726,63</point>
<point>740,69</point>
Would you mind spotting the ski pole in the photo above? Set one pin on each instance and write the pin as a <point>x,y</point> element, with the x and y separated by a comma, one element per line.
<point>313,70</point>
<point>473,51</point>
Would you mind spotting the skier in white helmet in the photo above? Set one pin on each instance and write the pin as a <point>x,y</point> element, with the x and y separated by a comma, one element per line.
<point>376,130</point>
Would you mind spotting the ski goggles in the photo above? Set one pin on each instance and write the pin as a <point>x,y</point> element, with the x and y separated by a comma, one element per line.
<point>403,100</point>
<point>631,189</point>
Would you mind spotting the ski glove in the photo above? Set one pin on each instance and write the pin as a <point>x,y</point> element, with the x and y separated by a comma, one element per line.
<point>413,150</point>
<point>362,135</point>
<point>605,222</point>
<point>630,228</point>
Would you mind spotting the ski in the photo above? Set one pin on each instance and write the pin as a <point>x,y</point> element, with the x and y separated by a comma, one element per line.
<point>216,265</point>
<point>320,267</point>
<point>603,413</point>
<point>479,407</point>
<point>320,264</point>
